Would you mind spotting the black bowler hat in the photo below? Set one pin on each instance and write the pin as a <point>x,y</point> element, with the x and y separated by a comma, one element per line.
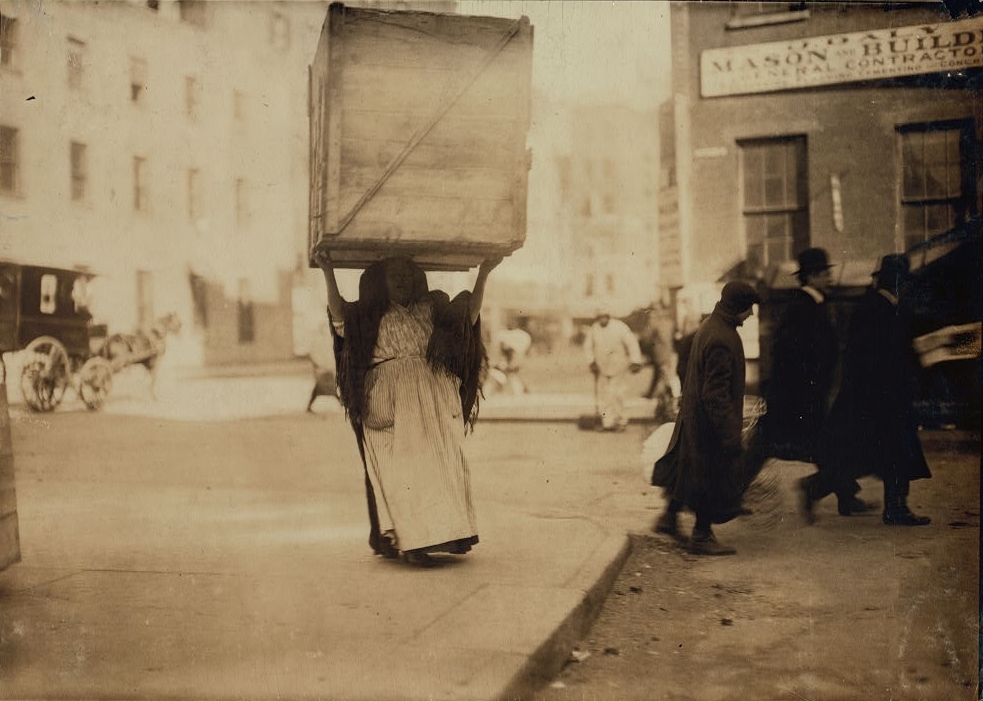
<point>813,260</point>
<point>894,268</point>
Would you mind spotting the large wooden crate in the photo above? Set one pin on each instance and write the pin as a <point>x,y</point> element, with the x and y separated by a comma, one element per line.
<point>418,126</point>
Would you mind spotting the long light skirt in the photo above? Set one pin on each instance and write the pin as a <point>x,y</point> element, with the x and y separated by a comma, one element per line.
<point>413,448</point>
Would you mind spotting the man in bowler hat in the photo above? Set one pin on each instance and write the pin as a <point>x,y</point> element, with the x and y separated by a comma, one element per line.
<point>805,353</point>
<point>871,428</point>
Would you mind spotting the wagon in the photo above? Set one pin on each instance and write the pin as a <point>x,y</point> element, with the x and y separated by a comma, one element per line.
<point>44,314</point>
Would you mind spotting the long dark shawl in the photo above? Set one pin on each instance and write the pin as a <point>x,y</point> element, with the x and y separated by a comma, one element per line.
<point>455,346</point>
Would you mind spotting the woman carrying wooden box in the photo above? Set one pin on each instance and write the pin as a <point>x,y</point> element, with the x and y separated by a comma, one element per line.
<point>409,368</point>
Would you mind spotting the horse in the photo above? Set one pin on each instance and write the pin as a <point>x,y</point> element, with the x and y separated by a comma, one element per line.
<point>144,348</point>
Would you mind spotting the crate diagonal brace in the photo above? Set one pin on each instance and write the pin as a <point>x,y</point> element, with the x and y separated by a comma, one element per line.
<point>427,127</point>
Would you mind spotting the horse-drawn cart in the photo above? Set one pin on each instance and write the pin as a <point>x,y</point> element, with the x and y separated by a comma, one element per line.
<point>44,314</point>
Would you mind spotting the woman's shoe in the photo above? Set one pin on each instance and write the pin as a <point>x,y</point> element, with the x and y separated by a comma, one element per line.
<point>418,559</point>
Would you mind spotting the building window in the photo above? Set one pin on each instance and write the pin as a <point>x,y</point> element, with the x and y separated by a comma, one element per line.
<point>192,96</point>
<point>194,194</point>
<point>776,199</point>
<point>247,321</point>
<point>138,79</point>
<point>9,160</point>
<point>140,201</point>
<point>608,201</point>
<point>745,15</point>
<point>76,63</point>
<point>8,41</point>
<point>192,12</point>
<point>153,5</point>
<point>48,302</point>
<point>80,171</point>
<point>145,299</point>
<point>239,106</point>
<point>242,202</point>
<point>280,32</point>
<point>199,296</point>
<point>937,178</point>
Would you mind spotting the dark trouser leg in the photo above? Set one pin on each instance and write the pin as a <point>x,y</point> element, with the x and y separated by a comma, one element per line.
<point>668,522</point>
<point>703,541</point>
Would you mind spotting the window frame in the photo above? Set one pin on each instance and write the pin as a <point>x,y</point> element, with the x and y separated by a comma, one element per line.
<point>9,33</point>
<point>280,32</point>
<point>959,206</point>
<point>242,212</point>
<point>141,197</point>
<point>79,171</point>
<point>245,313</point>
<point>195,200</point>
<point>791,211</point>
<point>192,96</point>
<point>76,62</point>
<point>193,12</point>
<point>10,159</point>
<point>138,80</point>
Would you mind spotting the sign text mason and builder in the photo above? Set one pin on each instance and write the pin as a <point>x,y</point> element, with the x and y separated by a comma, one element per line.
<point>842,58</point>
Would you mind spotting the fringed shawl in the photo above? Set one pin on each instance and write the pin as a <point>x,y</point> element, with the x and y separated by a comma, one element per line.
<point>455,344</point>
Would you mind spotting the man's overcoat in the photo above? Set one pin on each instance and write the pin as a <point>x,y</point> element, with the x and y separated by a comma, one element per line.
<point>871,426</point>
<point>804,355</point>
<point>702,467</point>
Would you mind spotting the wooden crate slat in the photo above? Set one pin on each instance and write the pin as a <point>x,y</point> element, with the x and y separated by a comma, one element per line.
<point>378,80</point>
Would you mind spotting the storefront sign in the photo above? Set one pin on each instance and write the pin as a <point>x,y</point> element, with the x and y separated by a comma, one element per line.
<point>842,58</point>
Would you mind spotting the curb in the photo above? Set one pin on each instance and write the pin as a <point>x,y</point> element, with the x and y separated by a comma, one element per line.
<point>549,658</point>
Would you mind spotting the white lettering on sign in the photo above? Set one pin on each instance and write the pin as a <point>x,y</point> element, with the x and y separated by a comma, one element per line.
<point>842,58</point>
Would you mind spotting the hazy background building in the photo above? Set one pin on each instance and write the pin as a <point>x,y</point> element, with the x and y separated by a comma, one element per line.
<point>164,146</point>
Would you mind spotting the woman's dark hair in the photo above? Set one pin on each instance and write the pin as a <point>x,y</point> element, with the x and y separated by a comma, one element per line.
<point>455,344</point>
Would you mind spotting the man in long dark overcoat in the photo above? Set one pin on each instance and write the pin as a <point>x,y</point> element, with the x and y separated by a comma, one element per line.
<point>702,468</point>
<point>804,353</point>
<point>872,430</point>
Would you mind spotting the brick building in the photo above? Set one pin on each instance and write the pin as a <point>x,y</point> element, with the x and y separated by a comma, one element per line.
<point>852,126</point>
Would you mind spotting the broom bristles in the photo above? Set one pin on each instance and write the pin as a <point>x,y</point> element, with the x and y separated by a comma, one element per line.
<point>764,496</point>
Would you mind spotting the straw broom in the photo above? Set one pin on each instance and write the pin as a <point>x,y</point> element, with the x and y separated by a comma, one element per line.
<point>763,496</point>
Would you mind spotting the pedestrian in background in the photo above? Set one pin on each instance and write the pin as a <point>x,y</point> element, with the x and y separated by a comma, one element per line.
<point>409,362</point>
<point>512,346</point>
<point>872,430</point>
<point>656,343</point>
<point>612,354</point>
<point>703,469</point>
<point>804,357</point>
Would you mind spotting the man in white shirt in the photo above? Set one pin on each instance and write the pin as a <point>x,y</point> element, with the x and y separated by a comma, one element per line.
<point>612,353</point>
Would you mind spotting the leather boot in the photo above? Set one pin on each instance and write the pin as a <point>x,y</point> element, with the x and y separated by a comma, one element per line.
<point>668,524</point>
<point>896,511</point>
<point>705,543</point>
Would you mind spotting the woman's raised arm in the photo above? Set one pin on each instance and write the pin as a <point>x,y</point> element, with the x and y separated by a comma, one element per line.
<point>336,303</point>
<point>478,293</point>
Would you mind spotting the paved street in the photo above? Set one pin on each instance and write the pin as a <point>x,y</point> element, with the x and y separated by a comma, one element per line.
<point>166,558</point>
<point>225,557</point>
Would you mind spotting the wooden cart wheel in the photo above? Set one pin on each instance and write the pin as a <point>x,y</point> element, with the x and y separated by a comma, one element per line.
<point>45,373</point>
<point>95,382</point>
